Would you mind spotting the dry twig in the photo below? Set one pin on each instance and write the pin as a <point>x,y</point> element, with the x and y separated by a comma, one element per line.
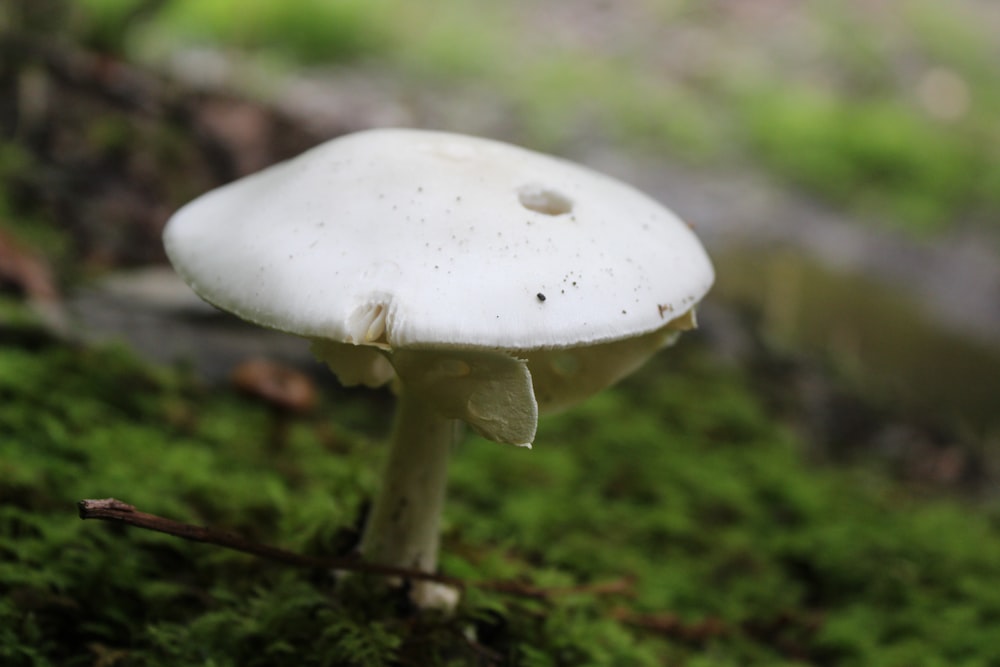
<point>111,509</point>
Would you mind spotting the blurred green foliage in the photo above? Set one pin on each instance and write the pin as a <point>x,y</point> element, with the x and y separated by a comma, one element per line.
<point>313,31</point>
<point>848,129</point>
<point>877,156</point>
<point>678,479</point>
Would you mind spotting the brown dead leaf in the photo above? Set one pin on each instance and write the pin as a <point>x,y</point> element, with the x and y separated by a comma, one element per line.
<point>277,384</point>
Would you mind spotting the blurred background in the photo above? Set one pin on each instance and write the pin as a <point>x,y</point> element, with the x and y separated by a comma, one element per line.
<point>840,159</point>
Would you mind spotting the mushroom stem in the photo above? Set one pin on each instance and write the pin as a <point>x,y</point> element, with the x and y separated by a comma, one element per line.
<point>403,528</point>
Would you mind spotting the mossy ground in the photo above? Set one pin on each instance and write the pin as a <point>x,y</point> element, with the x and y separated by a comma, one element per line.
<point>682,480</point>
<point>740,553</point>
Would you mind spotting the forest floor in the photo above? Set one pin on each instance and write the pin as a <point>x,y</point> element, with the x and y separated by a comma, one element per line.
<point>736,502</point>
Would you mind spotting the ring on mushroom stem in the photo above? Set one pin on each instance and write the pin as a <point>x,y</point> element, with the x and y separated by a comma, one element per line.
<point>389,285</point>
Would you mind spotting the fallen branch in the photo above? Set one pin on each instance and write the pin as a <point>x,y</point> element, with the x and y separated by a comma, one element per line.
<point>111,509</point>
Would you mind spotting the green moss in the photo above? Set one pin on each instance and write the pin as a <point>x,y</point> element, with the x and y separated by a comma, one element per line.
<point>877,155</point>
<point>740,553</point>
<point>310,31</point>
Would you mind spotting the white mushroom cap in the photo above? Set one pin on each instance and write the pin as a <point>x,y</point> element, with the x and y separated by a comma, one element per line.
<point>408,240</point>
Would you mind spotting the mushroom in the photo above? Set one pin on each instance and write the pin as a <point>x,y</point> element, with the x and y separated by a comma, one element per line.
<point>485,281</point>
